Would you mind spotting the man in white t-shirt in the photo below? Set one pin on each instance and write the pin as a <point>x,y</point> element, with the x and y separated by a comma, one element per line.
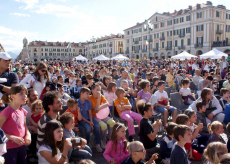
<point>223,63</point>
<point>163,105</point>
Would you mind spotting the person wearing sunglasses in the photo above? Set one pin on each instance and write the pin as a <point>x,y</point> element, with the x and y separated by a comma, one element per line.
<point>137,154</point>
<point>37,80</point>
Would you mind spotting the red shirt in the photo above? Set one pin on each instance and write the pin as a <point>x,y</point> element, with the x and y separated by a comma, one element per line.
<point>75,113</point>
<point>36,118</point>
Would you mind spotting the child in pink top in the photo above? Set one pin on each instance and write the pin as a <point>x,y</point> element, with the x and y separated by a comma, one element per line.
<point>110,95</point>
<point>12,122</point>
<point>116,149</point>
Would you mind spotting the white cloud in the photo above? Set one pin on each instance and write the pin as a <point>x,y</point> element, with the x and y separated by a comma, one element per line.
<point>12,40</point>
<point>30,3</point>
<point>20,14</point>
<point>60,11</point>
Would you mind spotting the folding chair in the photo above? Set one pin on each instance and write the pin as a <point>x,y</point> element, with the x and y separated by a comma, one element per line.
<point>193,87</point>
<point>64,108</point>
<point>176,101</point>
<point>168,90</point>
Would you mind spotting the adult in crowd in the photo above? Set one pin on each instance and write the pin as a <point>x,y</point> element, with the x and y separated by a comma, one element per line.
<point>196,78</point>
<point>226,84</point>
<point>205,83</point>
<point>38,79</point>
<point>170,78</point>
<point>213,107</point>
<point>31,97</point>
<point>114,75</point>
<point>223,63</point>
<point>124,76</point>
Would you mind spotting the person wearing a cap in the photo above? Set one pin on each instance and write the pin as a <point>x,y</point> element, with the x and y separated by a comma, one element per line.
<point>10,78</point>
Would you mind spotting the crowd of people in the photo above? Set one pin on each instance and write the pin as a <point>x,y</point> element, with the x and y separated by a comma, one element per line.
<point>61,111</point>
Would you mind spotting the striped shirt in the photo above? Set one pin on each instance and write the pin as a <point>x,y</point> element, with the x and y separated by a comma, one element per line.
<point>41,128</point>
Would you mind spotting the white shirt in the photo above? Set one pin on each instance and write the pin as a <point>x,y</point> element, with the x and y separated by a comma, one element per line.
<point>173,65</point>
<point>160,95</point>
<point>42,160</point>
<point>185,91</point>
<point>153,99</point>
<point>194,66</point>
<point>224,64</point>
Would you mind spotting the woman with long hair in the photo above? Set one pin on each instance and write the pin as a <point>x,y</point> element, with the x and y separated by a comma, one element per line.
<point>37,80</point>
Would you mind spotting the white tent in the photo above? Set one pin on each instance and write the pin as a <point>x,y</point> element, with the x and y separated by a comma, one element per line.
<point>101,57</point>
<point>119,57</point>
<point>183,55</point>
<point>80,57</point>
<point>213,54</point>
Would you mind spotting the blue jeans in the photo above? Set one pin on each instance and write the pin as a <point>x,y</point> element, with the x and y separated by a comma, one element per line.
<point>87,129</point>
<point>81,130</point>
<point>161,109</point>
<point>80,154</point>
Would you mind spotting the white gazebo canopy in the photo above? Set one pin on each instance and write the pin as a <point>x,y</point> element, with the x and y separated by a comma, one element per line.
<point>183,55</point>
<point>101,57</point>
<point>80,57</point>
<point>213,54</point>
<point>119,57</point>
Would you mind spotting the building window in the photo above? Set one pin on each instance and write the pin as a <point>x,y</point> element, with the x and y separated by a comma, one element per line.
<point>217,14</point>
<point>199,40</point>
<point>50,54</point>
<point>176,32</point>
<point>175,52</point>
<point>156,18</point>
<point>188,41</point>
<point>218,39</point>
<point>41,49</point>
<point>140,29</point>
<point>127,40</point>
<point>45,54</point>
<point>199,15</point>
<point>163,45</point>
<point>169,22</point>
<point>127,32</point>
<point>162,24</point>
<point>227,28</point>
<point>188,30</point>
<point>156,26</point>
<point>181,19</point>
<point>188,17</point>
<point>226,16</point>
<point>176,20</point>
<point>175,43</point>
<point>42,54</point>
<point>54,54</point>
<point>54,49</point>
<point>199,28</point>
<point>46,49</point>
<point>34,54</point>
<point>182,42</point>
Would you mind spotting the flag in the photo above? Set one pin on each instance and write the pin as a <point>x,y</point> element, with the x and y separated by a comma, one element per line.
<point>146,43</point>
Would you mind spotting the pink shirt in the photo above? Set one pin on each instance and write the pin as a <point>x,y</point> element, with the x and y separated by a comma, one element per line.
<point>14,124</point>
<point>110,97</point>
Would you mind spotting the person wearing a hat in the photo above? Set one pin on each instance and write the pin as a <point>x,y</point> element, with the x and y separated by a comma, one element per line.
<point>8,78</point>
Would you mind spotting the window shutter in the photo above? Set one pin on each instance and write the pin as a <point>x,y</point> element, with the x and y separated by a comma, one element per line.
<point>174,21</point>
<point>197,15</point>
<point>197,40</point>
<point>202,40</point>
<point>174,32</point>
<point>200,14</point>
<point>183,30</point>
<point>202,27</point>
<point>196,27</point>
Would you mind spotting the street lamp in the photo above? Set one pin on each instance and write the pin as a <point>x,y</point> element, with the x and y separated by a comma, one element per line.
<point>69,48</point>
<point>150,27</point>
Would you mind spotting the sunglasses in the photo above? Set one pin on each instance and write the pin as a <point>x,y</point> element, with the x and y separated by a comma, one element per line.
<point>90,78</point>
<point>141,151</point>
<point>44,70</point>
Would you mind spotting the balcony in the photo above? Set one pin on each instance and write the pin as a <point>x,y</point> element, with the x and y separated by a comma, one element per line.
<point>126,52</point>
<point>168,48</point>
<point>155,49</point>
<point>144,50</point>
<point>220,43</point>
<point>136,42</point>
<point>110,53</point>
<point>181,47</point>
<point>198,45</point>
<point>121,53</point>
<point>110,45</point>
<point>162,38</point>
<point>219,31</point>
<point>136,51</point>
<point>181,35</point>
<point>150,40</point>
<point>120,44</point>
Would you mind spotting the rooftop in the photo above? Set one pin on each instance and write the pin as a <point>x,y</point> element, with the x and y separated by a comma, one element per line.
<point>63,44</point>
<point>103,38</point>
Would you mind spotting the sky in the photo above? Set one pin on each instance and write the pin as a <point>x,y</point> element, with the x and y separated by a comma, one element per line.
<point>76,20</point>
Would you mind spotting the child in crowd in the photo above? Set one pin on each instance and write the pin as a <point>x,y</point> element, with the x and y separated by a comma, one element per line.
<point>154,85</point>
<point>110,95</point>
<point>214,151</point>
<point>116,150</point>
<point>132,76</point>
<point>12,122</point>
<point>99,102</point>
<point>76,152</point>
<point>167,143</point>
<point>185,92</point>
<point>200,140</point>
<point>200,114</point>
<point>163,105</point>
<point>37,112</point>
<point>75,110</point>
<point>123,108</point>
<point>225,159</point>
<point>77,88</point>
<point>129,92</point>
<point>54,148</point>
<point>64,96</point>
<point>183,135</point>
<point>86,161</point>
<point>148,132</point>
<point>224,92</point>
<point>143,94</point>
<point>137,154</point>
<point>183,119</point>
<point>216,128</point>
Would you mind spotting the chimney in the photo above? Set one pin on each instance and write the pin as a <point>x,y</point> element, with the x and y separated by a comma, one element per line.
<point>209,3</point>
<point>190,7</point>
<point>197,6</point>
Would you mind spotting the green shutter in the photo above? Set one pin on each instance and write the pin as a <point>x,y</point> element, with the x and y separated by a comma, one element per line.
<point>197,15</point>
<point>202,27</point>
<point>196,27</point>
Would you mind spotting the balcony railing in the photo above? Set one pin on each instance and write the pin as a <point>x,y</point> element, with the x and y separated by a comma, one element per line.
<point>144,50</point>
<point>136,51</point>
<point>220,44</point>
<point>155,49</point>
<point>168,48</point>
<point>121,53</point>
<point>181,35</point>
<point>162,38</point>
<point>219,31</point>
<point>126,52</point>
<point>181,47</point>
<point>150,40</point>
<point>198,45</point>
<point>136,42</point>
